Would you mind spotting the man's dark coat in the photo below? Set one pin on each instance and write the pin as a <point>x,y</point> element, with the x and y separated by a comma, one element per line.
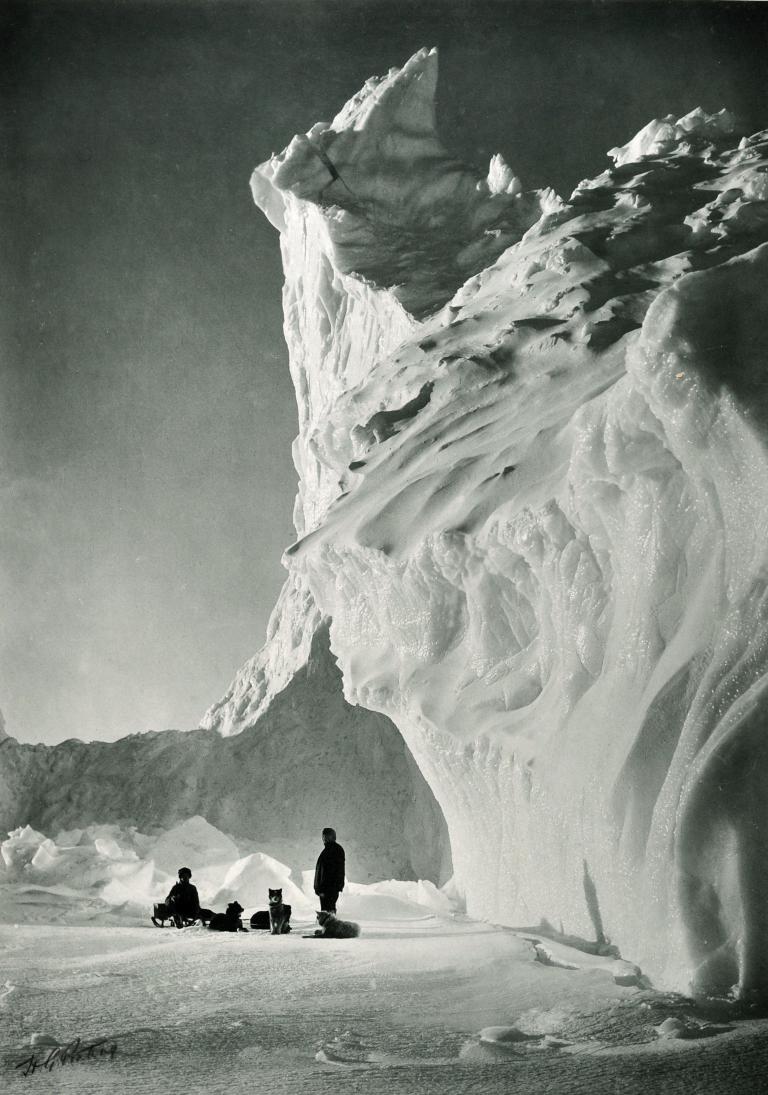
<point>183,899</point>
<point>329,872</point>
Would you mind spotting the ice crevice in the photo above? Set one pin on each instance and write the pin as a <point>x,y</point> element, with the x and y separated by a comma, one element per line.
<point>533,500</point>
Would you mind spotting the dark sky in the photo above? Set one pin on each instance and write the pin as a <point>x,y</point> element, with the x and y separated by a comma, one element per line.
<point>147,412</point>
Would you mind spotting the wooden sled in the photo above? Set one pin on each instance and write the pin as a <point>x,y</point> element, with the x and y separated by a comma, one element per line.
<point>163,917</point>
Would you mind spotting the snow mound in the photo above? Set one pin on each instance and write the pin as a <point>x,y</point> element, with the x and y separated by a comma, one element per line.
<point>110,838</point>
<point>85,868</point>
<point>387,899</point>
<point>250,879</point>
<point>94,865</point>
<point>391,899</point>
<point>135,884</point>
<point>502,1035</point>
<point>20,848</point>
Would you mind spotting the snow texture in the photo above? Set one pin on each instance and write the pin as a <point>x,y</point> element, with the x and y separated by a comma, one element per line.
<point>430,1006</point>
<point>533,501</point>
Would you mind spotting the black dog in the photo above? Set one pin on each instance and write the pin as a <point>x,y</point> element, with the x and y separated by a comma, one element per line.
<point>228,921</point>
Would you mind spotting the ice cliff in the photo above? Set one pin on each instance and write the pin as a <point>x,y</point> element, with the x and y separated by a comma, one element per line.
<point>307,760</point>
<point>533,501</point>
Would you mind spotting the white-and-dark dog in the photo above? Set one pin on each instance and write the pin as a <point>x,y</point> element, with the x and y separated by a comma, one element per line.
<point>333,928</point>
<point>279,913</point>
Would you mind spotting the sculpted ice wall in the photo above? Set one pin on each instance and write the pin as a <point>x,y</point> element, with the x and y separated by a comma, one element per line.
<point>307,759</point>
<point>534,502</point>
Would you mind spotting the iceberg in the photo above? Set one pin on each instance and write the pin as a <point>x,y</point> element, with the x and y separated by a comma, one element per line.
<point>282,755</point>
<point>533,501</point>
<point>193,843</point>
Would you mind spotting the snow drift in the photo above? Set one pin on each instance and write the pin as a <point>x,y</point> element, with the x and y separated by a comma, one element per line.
<point>533,500</point>
<point>114,874</point>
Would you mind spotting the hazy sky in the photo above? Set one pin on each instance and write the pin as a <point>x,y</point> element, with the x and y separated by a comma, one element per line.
<point>147,412</point>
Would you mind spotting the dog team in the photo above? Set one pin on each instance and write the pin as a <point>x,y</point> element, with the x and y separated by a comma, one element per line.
<point>182,906</point>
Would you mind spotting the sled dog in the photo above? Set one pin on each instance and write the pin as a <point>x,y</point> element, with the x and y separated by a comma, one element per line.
<point>279,914</point>
<point>333,928</point>
<point>228,921</point>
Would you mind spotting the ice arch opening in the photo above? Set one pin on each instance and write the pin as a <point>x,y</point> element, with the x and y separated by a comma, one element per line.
<point>270,771</point>
<point>533,500</point>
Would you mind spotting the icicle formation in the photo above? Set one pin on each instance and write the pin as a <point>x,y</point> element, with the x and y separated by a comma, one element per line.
<point>534,501</point>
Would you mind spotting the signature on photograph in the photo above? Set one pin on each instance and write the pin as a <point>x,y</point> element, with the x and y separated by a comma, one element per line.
<point>68,1054</point>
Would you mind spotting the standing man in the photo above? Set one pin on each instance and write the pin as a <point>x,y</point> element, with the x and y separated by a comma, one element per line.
<point>329,872</point>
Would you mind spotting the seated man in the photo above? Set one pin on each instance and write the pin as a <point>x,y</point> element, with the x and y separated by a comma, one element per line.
<point>182,902</point>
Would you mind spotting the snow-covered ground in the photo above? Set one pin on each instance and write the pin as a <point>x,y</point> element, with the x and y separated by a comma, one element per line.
<point>425,1000</point>
<point>399,1009</point>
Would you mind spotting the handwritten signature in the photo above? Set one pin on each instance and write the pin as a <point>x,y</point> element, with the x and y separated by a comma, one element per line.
<point>68,1054</point>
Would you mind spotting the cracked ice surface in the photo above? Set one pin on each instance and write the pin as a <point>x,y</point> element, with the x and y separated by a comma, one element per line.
<point>534,501</point>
